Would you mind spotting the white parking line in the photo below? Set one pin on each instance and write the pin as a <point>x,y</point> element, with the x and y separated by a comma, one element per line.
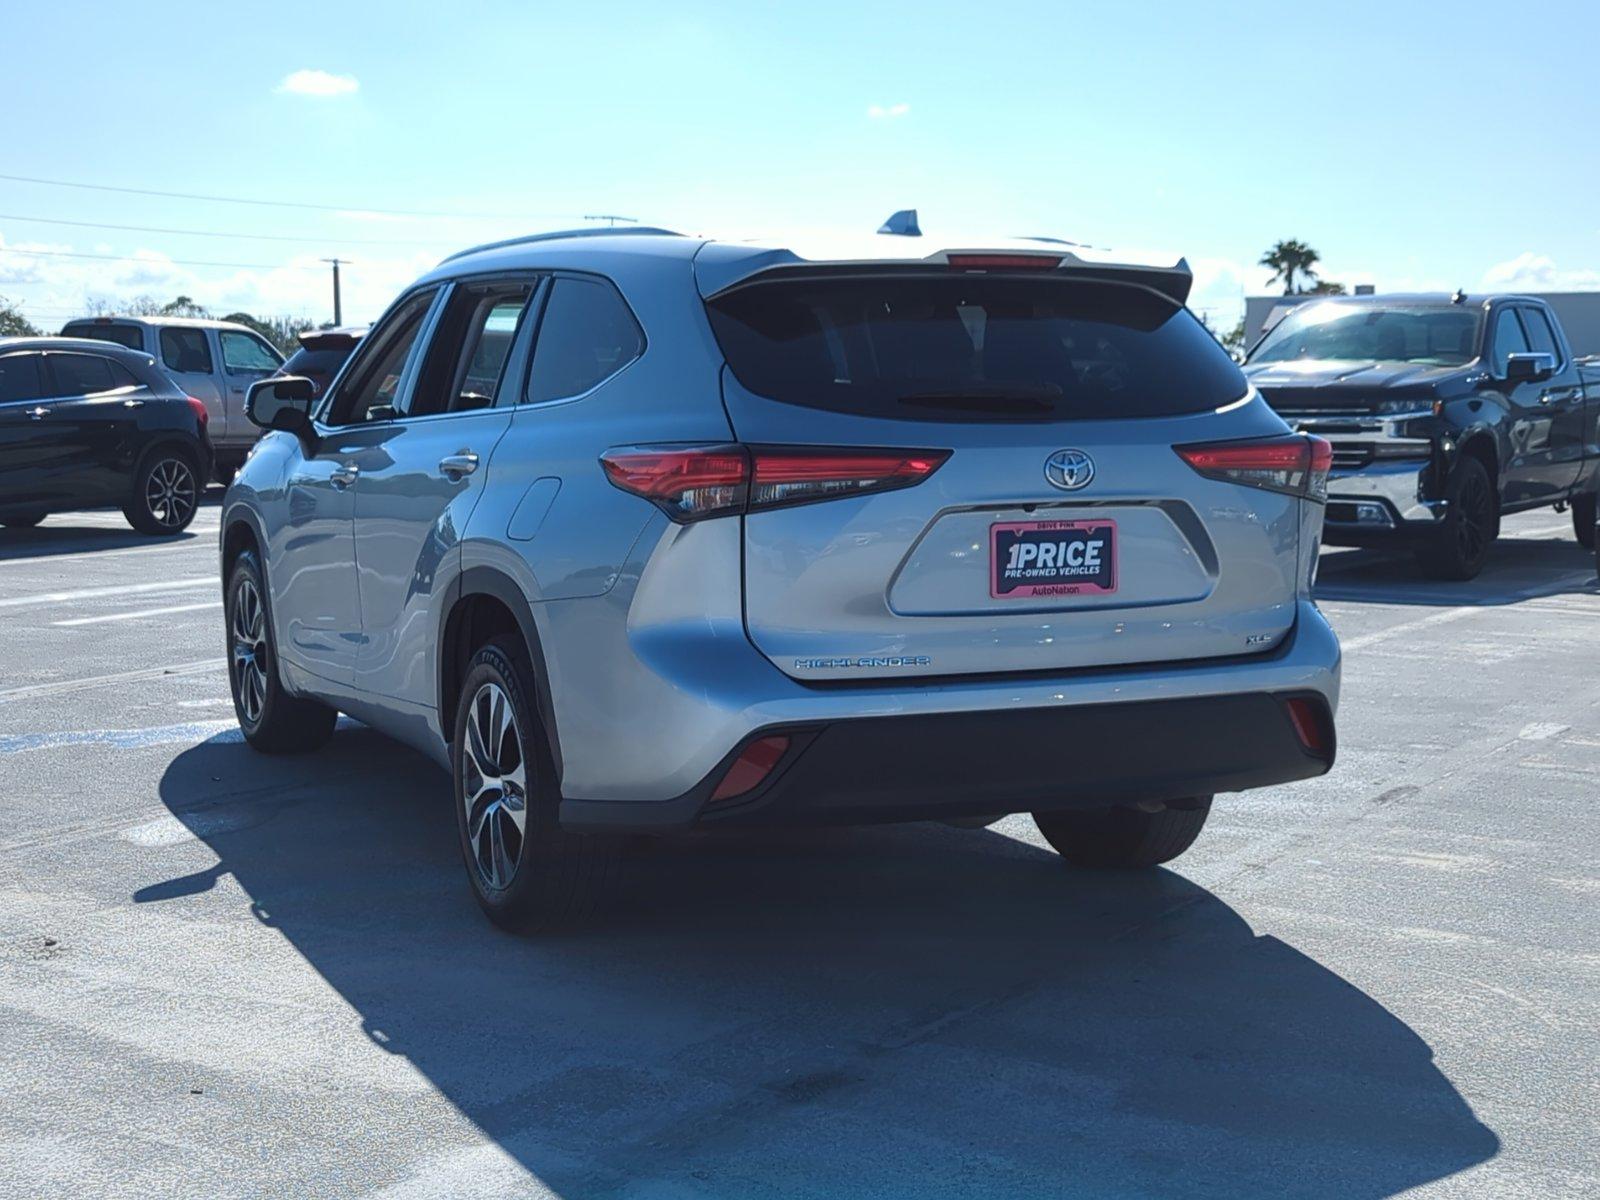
<point>50,560</point>
<point>134,616</point>
<point>33,690</point>
<point>187,583</point>
<point>1466,610</point>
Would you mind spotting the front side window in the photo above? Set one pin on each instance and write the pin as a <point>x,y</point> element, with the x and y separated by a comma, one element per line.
<point>20,378</point>
<point>371,388</point>
<point>186,351</point>
<point>587,335</point>
<point>971,348</point>
<point>469,349</point>
<point>1540,336</point>
<point>1508,339</point>
<point>246,354</point>
<point>1441,335</point>
<point>87,375</point>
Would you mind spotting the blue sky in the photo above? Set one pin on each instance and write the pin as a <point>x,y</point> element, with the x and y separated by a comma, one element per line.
<point>1415,145</point>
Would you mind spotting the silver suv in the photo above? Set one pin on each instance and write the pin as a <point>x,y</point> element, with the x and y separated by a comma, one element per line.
<point>636,532</point>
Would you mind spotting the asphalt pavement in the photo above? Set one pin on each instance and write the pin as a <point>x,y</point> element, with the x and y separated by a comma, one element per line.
<point>223,974</point>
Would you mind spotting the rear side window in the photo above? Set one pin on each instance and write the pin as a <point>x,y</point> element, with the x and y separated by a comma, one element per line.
<point>130,336</point>
<point>972,348</point>
<point>587,335</point>
<point>245,354</point>
<point>87,374</point>
<point>19,378</point>
<point>186,350</point>
<point>469,349</point>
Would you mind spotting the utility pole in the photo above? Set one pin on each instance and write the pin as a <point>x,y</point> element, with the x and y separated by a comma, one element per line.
<point>338,309</point>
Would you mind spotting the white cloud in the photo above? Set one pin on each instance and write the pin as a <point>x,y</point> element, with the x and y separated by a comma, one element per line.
<point>882,112</point>
<point>321,84</point>
<point>1530,272</point>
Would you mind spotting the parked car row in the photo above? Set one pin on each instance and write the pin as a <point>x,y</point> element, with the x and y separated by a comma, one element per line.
<point>135,412</point>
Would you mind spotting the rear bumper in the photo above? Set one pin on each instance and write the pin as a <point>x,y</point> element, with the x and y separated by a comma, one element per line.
<point>948,765</point>
<point>1159,732</point>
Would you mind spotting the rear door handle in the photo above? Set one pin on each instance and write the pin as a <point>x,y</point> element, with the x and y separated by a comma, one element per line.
<point>343,477</point>
<point>133,404</point>
<point>454,466</point>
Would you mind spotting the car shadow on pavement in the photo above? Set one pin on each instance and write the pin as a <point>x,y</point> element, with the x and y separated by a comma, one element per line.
<point>68,533</point>
<point>906,1011</point>
<point>1518,569</point>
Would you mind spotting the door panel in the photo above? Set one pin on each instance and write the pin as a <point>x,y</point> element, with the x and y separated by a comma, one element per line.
<point>410,510</point>
<point>313,575</point>
<point>190,355</point>
<point>24,434</point>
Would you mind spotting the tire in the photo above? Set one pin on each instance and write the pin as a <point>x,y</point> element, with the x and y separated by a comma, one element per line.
<point>23,520</point>
<point>1460,546</point>
<point>166,492</point>
<point>1583,518</point>
<point>534,876</point>
<point>273,721</point>
<point>1123,837</point>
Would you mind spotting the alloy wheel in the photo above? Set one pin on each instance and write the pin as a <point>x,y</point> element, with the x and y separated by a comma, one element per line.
<point>249,657</point>
<point>170,492</point>
<point>1476,517</point>
<point>494,787</point>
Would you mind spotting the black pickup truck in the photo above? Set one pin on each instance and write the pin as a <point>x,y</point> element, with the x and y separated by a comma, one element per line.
<point>1445,412</point>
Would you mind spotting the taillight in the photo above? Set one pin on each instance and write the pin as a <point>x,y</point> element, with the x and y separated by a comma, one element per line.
<point>1297,464</point>
<point>690,483</point>
<point>200,412</point>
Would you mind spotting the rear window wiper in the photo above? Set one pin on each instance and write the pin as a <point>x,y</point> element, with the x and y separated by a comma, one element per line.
<point>978,399</point>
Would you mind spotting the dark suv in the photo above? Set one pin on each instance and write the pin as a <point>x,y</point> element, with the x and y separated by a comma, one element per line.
<point>322,352</point>
<point>88,423</point>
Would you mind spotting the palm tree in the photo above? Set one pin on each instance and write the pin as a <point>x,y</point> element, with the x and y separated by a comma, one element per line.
<point>1289,259</point>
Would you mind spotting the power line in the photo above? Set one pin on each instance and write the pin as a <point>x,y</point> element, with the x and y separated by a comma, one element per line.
<point>211,233</point>
<point>156,262</point>
<point>341,208</point>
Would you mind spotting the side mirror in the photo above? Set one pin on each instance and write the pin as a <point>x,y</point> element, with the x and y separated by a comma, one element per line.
<point>282,402</point>
<point>1533,367</point>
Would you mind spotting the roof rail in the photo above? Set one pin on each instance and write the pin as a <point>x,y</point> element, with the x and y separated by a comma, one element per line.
<point>630,231</point>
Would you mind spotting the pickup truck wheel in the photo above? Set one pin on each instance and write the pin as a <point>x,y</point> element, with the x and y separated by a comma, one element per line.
<point>1460,546</point>
<point>1583,514</point>
<point>1123,837</point>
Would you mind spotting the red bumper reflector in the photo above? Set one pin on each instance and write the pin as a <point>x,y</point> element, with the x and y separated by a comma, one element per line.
<point>1306,717</point>
<point>751,767</point>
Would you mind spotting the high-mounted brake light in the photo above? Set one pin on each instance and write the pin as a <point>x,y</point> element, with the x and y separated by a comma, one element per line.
<point>1004,262</point>
<point>1297,464</point>
<point>691,483</point>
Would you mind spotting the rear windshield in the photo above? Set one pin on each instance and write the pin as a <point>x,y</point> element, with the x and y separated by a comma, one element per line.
<point>317,362</point>
<point>130,336</point>
<point>971,347</point>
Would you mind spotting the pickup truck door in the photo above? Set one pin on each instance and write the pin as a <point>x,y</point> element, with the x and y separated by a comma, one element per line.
<point>245,359</point>
<point>1561,396</point>
<point>189,354</point>
<point>1530,473</point>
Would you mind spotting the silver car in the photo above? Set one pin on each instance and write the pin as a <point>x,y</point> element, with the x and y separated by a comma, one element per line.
<point>635,532</point>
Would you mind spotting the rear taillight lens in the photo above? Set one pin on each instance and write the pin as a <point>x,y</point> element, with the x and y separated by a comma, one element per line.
<point>1297,464</point>
<point>691,483</point>
<point>200,412</point>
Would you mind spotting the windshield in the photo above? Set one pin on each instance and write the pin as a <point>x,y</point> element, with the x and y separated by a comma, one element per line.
<point>986,347</point>
<point>1440,336</point>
